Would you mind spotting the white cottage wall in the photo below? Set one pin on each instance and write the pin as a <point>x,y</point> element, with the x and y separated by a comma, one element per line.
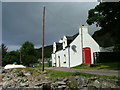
<point>54,47</point>
<point>88,41</point>
<point>76,57</point>
<point>59,58</point>
<point>63,56</point>
<point>65,61</point>
<point>53,60</point>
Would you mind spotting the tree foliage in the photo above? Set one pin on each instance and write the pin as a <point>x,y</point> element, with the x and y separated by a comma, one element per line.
<point>4,50</point>
<point>10,57</point>
<point>28,53</point>
<point>107,16</point>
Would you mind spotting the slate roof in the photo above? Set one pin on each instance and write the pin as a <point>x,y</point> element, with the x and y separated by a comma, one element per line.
<point>59,46</point>
<point>71,38</point>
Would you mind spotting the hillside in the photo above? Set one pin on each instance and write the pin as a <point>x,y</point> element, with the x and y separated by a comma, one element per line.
<point>103,39</point>
<point>47,51</point>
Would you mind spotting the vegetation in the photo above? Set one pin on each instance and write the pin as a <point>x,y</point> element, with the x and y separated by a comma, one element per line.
<point>66,74</point>
<point>100,66</point>
<point>106,17</point>
<point>26,55</point>
<point>47,51</point>
<point>4,50</point>
<point>10,57</point>
<point>51,73</point>
<point>21,74</point>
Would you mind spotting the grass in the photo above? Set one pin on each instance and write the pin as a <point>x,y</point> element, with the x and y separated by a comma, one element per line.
<point>51,73</point>
<point>100,66</point>
<point>45,64</point>
<point>66,74</point>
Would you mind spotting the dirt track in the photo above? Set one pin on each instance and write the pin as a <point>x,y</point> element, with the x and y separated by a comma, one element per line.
<point>98,72</point>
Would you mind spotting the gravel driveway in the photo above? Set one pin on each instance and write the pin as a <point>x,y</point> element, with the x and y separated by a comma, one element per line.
<point>97,72</point>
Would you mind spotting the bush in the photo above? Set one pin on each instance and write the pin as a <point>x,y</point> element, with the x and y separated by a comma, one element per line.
<point>20,74</point>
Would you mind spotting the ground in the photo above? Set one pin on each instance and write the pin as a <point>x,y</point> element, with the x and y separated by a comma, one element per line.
<point>55,78</point>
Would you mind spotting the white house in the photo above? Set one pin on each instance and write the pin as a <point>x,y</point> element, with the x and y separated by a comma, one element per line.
<point>74,50</point>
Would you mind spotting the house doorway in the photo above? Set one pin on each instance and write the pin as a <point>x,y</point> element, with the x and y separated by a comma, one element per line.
<point>59,61</point>
<point>87,55</point>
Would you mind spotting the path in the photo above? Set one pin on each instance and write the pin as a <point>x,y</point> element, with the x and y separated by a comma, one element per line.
<point>98,72</point>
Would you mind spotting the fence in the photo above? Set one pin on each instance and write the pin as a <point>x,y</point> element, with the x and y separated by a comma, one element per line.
<point>101,57</point>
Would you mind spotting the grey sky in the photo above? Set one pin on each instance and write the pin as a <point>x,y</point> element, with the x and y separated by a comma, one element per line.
<point>22,21</point>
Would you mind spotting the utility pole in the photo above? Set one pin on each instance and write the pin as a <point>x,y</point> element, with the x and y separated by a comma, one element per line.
<point>43,27</point>
<point>82,44</point>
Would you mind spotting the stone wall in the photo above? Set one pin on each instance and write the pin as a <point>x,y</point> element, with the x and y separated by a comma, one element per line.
<point>23,79</point>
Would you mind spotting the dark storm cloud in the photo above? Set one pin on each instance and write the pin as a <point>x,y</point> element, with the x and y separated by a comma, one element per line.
<point>22,21</point>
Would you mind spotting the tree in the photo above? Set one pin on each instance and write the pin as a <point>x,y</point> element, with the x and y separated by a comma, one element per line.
<point>28,53</point>
<point>4,50</point>
<point>116,48</point>
<point>10,57</point>
<point>107,16</point>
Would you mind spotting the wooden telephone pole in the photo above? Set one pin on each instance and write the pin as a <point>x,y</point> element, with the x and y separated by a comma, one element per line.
<point>43,27</point>
<point>82,44</point>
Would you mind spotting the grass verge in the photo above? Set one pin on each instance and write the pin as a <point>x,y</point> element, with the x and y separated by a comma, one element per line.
<point>100,66</point>
<point>66,74</point>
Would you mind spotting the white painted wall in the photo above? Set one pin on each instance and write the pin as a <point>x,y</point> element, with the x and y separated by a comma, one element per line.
<point>88,41</point>
<point>59,54</point>
<point>53,60</point>
<point>64,58</point>
<point>76,57</point>
<point>54,47</point>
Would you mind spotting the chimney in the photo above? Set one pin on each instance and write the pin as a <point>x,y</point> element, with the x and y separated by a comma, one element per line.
<point>54,47</point>
<point>84,29</point>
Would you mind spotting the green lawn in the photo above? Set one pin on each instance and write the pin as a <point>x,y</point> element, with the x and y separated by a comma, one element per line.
<point>100,66</point>
<point>51,73</point>
<point>66,74</point>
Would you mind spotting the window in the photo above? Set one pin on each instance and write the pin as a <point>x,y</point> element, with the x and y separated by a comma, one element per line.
<point>64,58</point>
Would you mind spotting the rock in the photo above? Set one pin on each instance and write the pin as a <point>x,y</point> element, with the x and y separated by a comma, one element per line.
<point>65,79</point>
<point>38,84</point>
<point>62,87</point>
<point>1,83</point>
<point>60,83</point>
<point>82,82</point>
<point>1,77</point>
<point>24,85</point>
<point>77,77</point>
<point>93,78</point>
<point>97,84</point>
<point>47,85</point>
<point>44,72</point>
<point>109,84</point>
<point>7,84</point>
<point>27,74</point>
<point>84,88</point>
<point>60,78</point>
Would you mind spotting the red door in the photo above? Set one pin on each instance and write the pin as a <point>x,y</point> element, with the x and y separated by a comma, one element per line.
<point>87,55</point>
